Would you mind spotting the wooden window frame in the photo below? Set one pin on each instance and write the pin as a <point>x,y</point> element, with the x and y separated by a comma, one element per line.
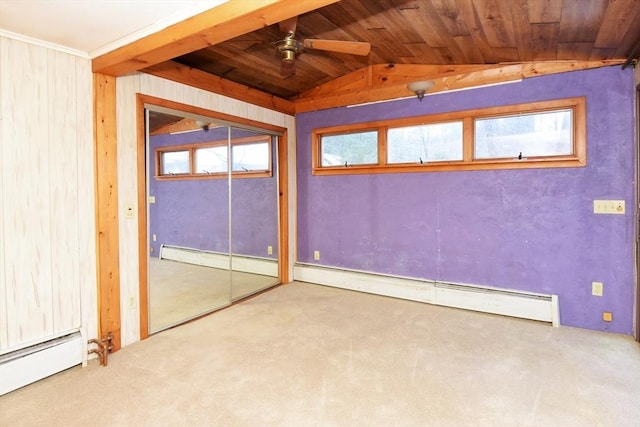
<point>192,147</point>
<point>468,117</point>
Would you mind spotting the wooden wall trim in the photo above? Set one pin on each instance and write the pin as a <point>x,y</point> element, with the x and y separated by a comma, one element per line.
<point>283,207</point>
<point>143,238</point>
<point>107,239</point>
<point>382,83</point>
<point>224,22</point>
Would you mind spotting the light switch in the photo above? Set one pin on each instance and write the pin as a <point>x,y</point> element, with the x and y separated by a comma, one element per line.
<point>597,288</point>
<point>129,213</point>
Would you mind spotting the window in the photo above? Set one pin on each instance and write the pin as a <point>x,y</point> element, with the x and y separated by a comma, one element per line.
<point>348,149</point>
<point>529,135</point>
<point>425,143</point>
<point>251,157</point>
<point>534,135</point>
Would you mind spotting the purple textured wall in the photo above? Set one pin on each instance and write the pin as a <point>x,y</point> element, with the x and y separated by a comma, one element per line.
<point>531,230</point>
<point>195,213</point>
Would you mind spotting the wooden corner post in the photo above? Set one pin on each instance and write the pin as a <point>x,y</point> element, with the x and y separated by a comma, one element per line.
<point>106,173</point>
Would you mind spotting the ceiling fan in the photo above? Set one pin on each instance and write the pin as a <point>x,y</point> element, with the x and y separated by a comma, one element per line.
<point>289,47</point>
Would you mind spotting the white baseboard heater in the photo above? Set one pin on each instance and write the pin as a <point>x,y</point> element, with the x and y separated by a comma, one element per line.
<point>525,305</point>
<point>244,263</point>
<point>26,365</point>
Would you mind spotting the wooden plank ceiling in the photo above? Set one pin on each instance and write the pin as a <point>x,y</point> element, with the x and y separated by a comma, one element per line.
<point>412,40</point>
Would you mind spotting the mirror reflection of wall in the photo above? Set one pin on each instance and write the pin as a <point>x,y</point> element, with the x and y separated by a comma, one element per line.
<point>254,212</point>
<point>199,214</point>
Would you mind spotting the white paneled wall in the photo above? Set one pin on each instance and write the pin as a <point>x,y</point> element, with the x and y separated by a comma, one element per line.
<point>47,227</point>
<point>127,87</point>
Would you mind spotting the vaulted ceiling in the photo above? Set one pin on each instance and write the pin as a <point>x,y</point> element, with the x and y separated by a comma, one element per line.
<point>453,42</point>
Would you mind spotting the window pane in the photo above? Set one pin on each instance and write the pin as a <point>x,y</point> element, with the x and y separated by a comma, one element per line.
<point>175,162</point>
<point>425,143</point>
<point>349,149</point>
<point>251,157</point>
<point>211,159</point>
<point>536,134</point>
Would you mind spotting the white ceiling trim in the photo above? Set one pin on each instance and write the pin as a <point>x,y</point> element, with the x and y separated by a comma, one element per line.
<point>185,13</point>
<point>91,28</point>
<point>42,43</point>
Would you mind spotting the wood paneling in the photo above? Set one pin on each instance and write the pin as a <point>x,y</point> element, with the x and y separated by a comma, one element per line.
<point>620,17</point>
<point>25,169</point>
<point>581,20</point>
<point>86,248</point>
<point>63,158</point>
<point>544,11</point>
<point>424,32</point>
<point>46,175</point>
<point>128,199</point>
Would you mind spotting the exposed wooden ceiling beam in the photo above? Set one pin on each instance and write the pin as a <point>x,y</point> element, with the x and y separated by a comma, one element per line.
<point>190,76</point>
<point>374,84</point>
<point>229,20</point>
<point>184,125</point>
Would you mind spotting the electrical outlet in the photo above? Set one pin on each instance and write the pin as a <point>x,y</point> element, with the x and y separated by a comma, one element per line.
<point>609,207</point>
<point>269,250</point>
<point>316,255</point>
<point>597,288</point>
<point>155,237</point>
<point>607,316</point>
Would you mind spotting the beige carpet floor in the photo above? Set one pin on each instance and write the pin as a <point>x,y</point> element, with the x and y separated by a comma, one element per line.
<point>307,355</point>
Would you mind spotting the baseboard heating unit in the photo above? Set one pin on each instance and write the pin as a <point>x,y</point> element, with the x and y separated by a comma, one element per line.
<point>243,263</point>
<point>525,305</point>
<point>26,365</point>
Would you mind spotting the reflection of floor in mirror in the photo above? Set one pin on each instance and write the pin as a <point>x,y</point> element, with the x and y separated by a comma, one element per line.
<point>180,291</point>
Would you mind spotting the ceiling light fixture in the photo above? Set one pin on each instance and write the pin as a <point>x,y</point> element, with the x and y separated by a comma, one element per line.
<point>420,88</point>
<point>203,125</point>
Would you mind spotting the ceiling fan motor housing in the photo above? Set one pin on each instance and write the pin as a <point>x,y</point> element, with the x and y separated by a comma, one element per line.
<point>288,47</point>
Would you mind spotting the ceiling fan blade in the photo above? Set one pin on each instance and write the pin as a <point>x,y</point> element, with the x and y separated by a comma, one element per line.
<point>289,25</point>
<point>287,68</point>
<point>341,46</point>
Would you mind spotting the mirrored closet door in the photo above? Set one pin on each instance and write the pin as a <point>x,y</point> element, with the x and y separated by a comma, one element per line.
<point>212,215</point>
<point>188,219</point>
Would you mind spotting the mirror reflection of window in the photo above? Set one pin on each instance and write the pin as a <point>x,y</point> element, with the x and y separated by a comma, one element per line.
<point>249,157</point>
<point>211,159</point>
<point>175,162</point>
